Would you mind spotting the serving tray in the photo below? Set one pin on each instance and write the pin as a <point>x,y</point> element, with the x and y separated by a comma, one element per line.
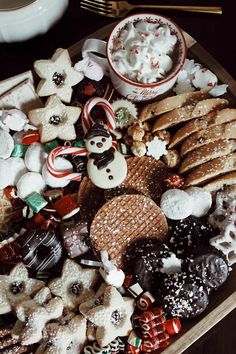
<point>224,300</point>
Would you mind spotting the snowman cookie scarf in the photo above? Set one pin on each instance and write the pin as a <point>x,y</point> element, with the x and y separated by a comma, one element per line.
<point>106,166</point>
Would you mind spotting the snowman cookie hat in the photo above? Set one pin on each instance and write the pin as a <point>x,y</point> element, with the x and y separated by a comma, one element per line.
<point>97,130</point>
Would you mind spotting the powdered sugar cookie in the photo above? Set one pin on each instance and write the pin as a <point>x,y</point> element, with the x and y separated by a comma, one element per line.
<point>176,204</point>
<point>6,144</point>
<point>12,170</point>
<point>202,201</point>
<point>29,183</point>
<point>35,157</point>
<point>112,318</point>
<point>60,164</point>
<point>75,284</point>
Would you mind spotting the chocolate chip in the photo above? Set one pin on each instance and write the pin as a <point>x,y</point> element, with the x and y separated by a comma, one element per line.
<point>17,287</point>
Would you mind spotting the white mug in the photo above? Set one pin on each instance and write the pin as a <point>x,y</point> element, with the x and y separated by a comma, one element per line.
<point>130,89</point>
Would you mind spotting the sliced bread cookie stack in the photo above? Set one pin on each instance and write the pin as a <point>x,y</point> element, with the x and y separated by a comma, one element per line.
<point>206,142</point>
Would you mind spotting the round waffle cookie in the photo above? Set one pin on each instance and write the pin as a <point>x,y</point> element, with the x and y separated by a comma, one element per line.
<point>145,176</point>
<point>123,220</point>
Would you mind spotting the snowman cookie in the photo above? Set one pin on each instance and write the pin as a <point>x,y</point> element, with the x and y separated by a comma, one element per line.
<point>106,167</point>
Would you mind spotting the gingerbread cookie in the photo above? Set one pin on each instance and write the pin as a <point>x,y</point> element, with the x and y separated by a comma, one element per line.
<point>145,175</point>
<point>17,287</point>
<point>68,338</point>
<point>58,76</point>
<point>112,318</point>
<point>75,284</point>
<point>123,220</point>
<point>55,120</point>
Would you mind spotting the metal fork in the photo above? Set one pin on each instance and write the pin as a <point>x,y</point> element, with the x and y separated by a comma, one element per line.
<point>119,9</point>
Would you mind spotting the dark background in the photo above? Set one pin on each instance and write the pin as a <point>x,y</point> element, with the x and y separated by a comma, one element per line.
<point>217,33</point>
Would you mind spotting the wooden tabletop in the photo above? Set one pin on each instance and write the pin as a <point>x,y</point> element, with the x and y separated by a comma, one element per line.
<point>215,32</point>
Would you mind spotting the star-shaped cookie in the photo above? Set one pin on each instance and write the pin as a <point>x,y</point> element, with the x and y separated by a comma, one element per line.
<point>68,339</point>
<point>75,284</point>
<point>113,317</point>
<point>17,287</point>
<point>55,120</point>
<point>58,76</point>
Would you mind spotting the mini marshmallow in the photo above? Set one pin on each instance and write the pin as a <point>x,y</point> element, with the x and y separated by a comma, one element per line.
<point>6,144</point>
<point>176,204</point>
<point>60,165</point>
<point>14,119</point>
<point>31,182</point>
<point>35,157</point>
<point>11,171</point>
<point>202,201</point>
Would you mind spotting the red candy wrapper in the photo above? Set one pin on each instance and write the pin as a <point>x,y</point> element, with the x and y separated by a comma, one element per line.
<point>130,349</point>
<point>154,331</point>
<point>150,344</point>
<point>128,281</point>
<point>148,316</point>
<point>66,207</point>
<point>30,137</point>
<point>173,326</point>
<point>152,324</point>
<point>145,301</point>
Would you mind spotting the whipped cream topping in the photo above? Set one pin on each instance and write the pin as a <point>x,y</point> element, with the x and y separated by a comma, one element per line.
<point>143,52</point>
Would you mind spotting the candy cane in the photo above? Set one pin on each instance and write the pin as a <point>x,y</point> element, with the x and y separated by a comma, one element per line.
<point>87,119</point>
<point>64,150</point>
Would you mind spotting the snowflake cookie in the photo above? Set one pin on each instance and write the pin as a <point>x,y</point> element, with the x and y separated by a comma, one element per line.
<point>55,120</point>
<point>17,287</point>
<point>75,284</point>
<point>112,318</point>
<point>58,76</point>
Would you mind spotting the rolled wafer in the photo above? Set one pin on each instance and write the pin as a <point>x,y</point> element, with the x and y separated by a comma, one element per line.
<point>211,169</point>
<point>209,120</point>
<point>168,104</point>
<point>229,179</point>
<point>186,113</point>
<point>123,220</point>
<point>209,135</point>
<point>206,153</point>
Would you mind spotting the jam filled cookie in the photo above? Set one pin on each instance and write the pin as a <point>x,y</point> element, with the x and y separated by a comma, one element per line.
<point>58,76</point>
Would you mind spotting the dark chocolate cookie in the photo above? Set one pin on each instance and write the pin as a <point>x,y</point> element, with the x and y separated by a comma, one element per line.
<point>150,258</point>
<point>188,234</point>
<point>211,267</point>
<point>184,295</point>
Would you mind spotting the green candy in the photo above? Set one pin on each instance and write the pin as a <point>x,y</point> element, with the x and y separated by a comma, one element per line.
<point>79,143</point>
<point>122,115</point>
<point>19,150</point>
<point>36,202</point>
<point>51,145</point>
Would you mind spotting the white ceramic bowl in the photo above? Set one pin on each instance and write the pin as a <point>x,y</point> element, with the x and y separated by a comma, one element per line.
<point>29,18</point>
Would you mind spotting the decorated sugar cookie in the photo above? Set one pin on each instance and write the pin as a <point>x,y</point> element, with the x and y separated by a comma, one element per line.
<point>106,166</point>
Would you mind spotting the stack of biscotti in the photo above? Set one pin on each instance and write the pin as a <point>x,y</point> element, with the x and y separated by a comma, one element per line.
<point>204,134</point>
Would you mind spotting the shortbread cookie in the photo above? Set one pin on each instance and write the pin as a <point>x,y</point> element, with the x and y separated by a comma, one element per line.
<point>34,314</point>
<point>17,287</point>
<point>168,104</point>
<point>21,96</point>
<point>75,284</point>
<point>145,175</point>
<point>97,300</point>
<point>211,169</point>
<point>58,76</point>
<point>209,120</point>
<point>55,120</point>
<point>206,153</point>
<point>112,318</point>
<point>206,136</point>
<point>229,179</point>
<point>67,338</point>
<point>123,220</point>
<point>189,112</point>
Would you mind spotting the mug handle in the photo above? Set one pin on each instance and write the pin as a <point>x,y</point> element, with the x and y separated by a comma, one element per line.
<point>92,47</point>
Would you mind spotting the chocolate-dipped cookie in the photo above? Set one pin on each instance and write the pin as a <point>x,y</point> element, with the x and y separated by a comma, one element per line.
<point>150,258</point>
<point>184,295</point>
<point>211,268</point>
<point>186,235</point>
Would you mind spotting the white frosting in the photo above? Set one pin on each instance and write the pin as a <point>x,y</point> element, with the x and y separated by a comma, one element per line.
<point>202,200</point>
<point>143,51</point>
